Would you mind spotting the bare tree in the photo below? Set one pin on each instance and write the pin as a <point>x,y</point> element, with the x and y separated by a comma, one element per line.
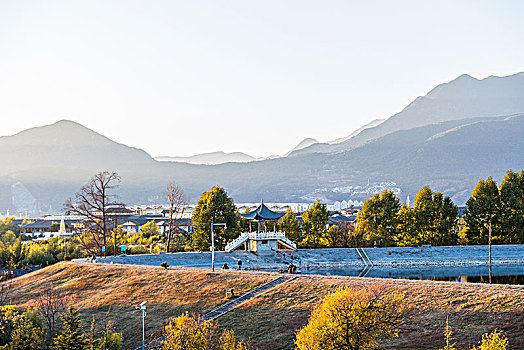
<point>177,202</point>
<point>51,303</point>
<point>94,201</point>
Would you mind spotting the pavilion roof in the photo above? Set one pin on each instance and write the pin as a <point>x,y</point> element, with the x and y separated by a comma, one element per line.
<point>262,213</point>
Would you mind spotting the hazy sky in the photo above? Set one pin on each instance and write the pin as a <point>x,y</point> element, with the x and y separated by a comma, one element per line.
<point>185,77</point>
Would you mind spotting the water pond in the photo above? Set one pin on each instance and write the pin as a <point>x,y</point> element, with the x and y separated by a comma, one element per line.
<point>500,274</point>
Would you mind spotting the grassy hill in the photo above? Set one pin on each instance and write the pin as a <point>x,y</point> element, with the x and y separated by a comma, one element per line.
<point>110,293</point>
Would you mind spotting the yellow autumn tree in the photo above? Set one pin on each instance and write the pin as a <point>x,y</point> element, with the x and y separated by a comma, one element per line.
<point>353,319</point>
<point>190,333</point>
<point>493,341</point>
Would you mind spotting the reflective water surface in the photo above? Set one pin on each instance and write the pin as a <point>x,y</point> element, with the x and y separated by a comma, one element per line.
<point>501,274</point>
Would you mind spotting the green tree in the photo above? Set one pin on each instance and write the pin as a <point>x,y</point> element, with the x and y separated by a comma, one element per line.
<point>55,226</point>
<point>353,319</point>
<point>92,342</point>
<point>214,205</point>
<point>149,229</point>
<point>483,207</point>
<point>71,336</point>
<point>291,226</point>
<point>512,208</point>
<point>110,339</point>
<point>435,217</point>
<point>315,221</point>
<point>333,237</point>
<point>406,232</point>
<point>378,218</point>
<point>28,333</point>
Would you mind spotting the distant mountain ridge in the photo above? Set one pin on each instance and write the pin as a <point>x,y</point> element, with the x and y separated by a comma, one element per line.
<point>68,142</point>
<point>371,124</point>
<point>43,166</point>
<point>211,158</point>
<point>463,97</point>
<point>302,144</point>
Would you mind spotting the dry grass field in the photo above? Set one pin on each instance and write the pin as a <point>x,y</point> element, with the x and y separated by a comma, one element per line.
<point>472,310</point>
<point>110,292</point>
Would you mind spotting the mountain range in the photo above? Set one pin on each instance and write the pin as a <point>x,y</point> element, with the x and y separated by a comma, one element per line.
<point>211,158</point>
<point>459,132</point>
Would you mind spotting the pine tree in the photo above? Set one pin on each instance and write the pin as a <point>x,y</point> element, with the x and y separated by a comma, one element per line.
<point>110,340</point>
<point>214,205</point>
<point>512,208</point>
<point>92,341</point>
<point>315,221</point>
<point>291,226</point>
<point>435,218</point>
<point>483,208</point>
<point>71,336</point>
<point>378,218</point>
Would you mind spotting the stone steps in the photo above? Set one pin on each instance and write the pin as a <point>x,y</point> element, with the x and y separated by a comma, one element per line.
<point>221,310</point>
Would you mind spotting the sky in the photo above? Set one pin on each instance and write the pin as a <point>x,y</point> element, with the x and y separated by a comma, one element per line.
<point>187,77</point>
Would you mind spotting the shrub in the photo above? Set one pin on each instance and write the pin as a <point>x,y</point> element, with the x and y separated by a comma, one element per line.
<point>189,333</point>
<point>353,319</point>
<point>493,341</point>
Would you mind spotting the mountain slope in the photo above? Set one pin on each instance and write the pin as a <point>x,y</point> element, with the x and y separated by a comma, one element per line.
<point>463,97</point>
<point>302,144</point>
<point>371,124</point>
<point>65,144</point>
<point>42,167</point>
<point>211,158</point>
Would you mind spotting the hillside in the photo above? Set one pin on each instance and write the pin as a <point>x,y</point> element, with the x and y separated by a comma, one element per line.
<point>301,145</point>
<point>68,144</point>
<point>211,158</point>
<point>461,98</point>
<point>111,292</point>
<point>450,156</point>
<point>43,167</point>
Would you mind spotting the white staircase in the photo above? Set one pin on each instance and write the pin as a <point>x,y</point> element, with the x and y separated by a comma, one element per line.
<point>237,242</point>
<point>286,242</point>
<point>260,236</point>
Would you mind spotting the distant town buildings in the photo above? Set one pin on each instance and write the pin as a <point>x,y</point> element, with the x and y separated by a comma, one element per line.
<point>131,218</point>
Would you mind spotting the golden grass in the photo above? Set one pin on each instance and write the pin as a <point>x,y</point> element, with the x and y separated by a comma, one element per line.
<point>110,292</point>
<point>472,310</point>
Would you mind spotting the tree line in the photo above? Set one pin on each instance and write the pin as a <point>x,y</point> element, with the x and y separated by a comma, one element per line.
<point>383,221</point>
<point>51,324</point>
<point>433,219</point>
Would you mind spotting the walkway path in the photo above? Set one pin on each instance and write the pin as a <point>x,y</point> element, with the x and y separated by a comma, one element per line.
<point>246,297</point>
<point>221,310</point>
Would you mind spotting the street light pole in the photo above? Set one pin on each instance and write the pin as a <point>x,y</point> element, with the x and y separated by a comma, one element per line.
<point>142,308</point>
<point>490,252</point>
<point>212,247</point>
<point>489,245</point>
<point>213,242</point>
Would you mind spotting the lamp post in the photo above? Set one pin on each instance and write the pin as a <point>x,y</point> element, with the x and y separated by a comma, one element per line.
<point>213,242</point>
<point>490,252</point>
<point>142,308</point>
<point>489,245</point>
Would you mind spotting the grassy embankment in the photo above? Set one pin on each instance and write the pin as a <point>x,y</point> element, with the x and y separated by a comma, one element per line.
<point>110,293</point>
